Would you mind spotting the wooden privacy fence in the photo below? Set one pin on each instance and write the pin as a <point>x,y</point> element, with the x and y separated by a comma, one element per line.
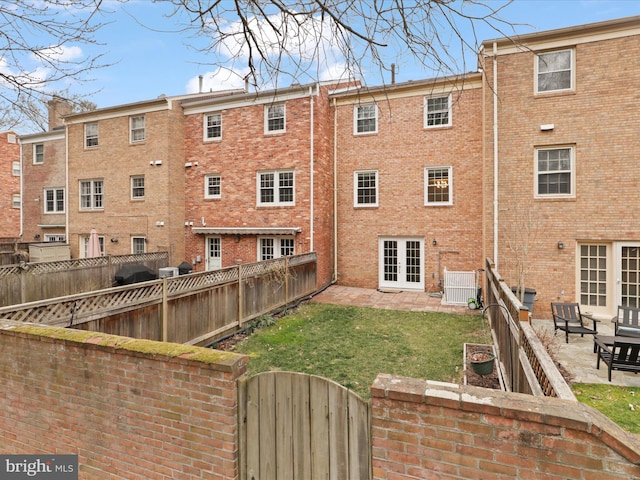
<point>524,360</point>
<point>191,309</point>
<point>30,282</point>
<point>12,252</point>
<point>295,426</point>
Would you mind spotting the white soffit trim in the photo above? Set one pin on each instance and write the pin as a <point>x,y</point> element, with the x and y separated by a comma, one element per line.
<point>246,230</point>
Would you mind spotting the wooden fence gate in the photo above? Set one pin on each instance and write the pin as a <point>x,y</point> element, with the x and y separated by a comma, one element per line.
<point>295,426</point>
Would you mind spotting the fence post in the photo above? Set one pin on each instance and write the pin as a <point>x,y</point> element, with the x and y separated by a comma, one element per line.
<point>240,295</point>
<point>286,280</point>
<point>165,310</point>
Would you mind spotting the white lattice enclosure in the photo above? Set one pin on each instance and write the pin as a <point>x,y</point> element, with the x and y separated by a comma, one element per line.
<point>459,287</point>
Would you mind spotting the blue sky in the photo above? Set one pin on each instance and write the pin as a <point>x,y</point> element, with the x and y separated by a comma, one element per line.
<point>147,63</point>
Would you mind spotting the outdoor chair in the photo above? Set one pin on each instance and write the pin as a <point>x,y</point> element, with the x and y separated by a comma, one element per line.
<point>567,317</point>
<point>627,322</point>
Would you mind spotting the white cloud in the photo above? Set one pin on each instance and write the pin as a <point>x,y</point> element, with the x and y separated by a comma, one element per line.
<point>61,53</point>
<point>220,79</point>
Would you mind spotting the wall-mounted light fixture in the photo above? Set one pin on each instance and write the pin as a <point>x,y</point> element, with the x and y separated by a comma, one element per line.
<point>114,240</point>
<point>433,242</point>
<point>560,245</point>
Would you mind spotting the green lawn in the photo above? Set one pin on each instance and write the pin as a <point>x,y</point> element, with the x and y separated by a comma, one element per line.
<point>351,345</point>
<point>620,404</point>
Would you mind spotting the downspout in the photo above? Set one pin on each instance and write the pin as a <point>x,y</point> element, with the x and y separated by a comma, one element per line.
<point>66,183</point>
<point>495,154</point>
<point>21,193</point>
<point>335,191</point>
<point>311,166</point>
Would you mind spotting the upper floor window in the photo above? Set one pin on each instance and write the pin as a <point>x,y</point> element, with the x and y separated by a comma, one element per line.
<point>212,186</point>
<point>137,187</point>
<point>213,126</point>
<point>437,111</point>
<point>438,186</point>
<point>275,120</point>
<point>554,172</point>
<point>16,169</point>
<point>366,118</point>
<point>554,71</point>
<point>276,188</point>
<point>137,127</point>
<point>17,200</point>
<point>91,135</point>
<point>55,237</point>
<point>38,153</point>
<point>366,189</point>
<point>275,247</point>
<point>91,195</point>
<point>138,245</point>
<point>54,200</point>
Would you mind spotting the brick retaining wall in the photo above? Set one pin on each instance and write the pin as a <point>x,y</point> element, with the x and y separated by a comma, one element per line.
<point>133,409</point>
<point>431,430</point>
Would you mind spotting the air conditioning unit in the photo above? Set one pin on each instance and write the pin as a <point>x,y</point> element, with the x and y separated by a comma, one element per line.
<point>167,272</point>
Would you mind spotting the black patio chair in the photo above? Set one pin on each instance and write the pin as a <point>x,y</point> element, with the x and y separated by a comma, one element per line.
<point>567,317</point>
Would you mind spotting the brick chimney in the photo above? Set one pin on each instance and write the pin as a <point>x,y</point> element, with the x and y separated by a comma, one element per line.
<point>58,107</point>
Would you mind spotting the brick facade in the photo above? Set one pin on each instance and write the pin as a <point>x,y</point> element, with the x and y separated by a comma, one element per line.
<point>9,185</point>
<point>400,151</point>
<point>595,118</point>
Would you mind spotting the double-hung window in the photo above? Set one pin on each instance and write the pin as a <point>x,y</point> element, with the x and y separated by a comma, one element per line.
<point>17,200</point>
<point>437,111</point>
<point>365,191</point>
<point>275,118</point>
<point>212,186</point>
<point>366,118</point>
<point>54,200</point>
<point>91,135</point>
<point>438,186</point>
<point>16,169</point>
<point>137,129</point>
<point>213,126</point>
<point>275,247</point>
<point>554,71</point>
<point>91,195</point>
<point>38,153</point>
<point>137,187</point>
<point>138,245</point>
<point>555,172</point>
<point>276,188</point>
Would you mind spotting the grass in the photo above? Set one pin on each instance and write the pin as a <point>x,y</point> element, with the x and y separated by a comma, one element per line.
<point>351,345</point>
<point>620,404</point>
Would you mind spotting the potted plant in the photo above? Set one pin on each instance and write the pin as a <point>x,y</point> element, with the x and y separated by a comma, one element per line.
<point>483,362</point>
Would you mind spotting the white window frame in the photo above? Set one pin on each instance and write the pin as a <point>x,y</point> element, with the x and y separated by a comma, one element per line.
<point>537,59</point>
<point>449,185</point>
<point>16,170</point>
<point>16,200</point>
<point>277,243</point>
<point>277,202</point>
<point>137,133</point>
<point>137,187</point>
<point>56,201</point>
<point>268,109</point>
<point>93,195</point>
<point>136,241</point>
<point>55,237</point>
<point>571,171</point>
<point>357,118</point>
<point>437,112</point>
<point>38,157</point>
<point>91,138</point>
<point>208,186</point>
<point>215,127</point>
<point>85,245</point>
<point>357,188</point>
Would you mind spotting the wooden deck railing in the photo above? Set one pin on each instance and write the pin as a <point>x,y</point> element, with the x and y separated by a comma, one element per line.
<point>524,360</point>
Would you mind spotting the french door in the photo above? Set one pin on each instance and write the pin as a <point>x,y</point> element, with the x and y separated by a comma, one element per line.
<point>214,253</point>
<point>400,263</point>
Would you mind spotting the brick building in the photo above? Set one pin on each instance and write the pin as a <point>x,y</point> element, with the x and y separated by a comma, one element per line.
<point>10,175</point>
<point>409,182</point>
<point>566,118</point>
<point>259,177</point>
<point>390,184</point>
